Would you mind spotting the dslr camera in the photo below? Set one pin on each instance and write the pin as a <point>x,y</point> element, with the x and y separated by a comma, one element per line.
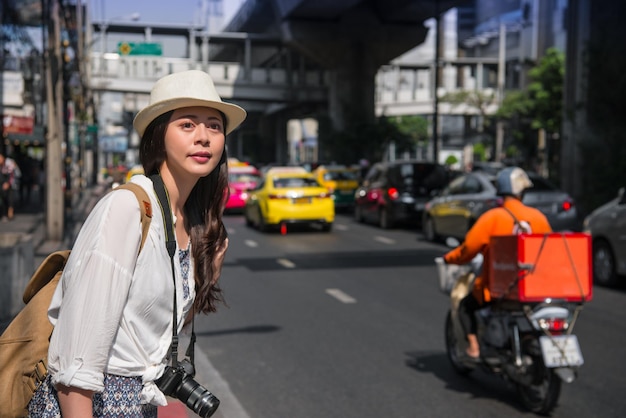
<point>177,382</point>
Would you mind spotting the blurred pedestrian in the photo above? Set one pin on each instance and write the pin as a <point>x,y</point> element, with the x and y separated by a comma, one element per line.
<point>9,176</point>
<point>112,311</point>
<point>28,168</point>
<point>41,182</point>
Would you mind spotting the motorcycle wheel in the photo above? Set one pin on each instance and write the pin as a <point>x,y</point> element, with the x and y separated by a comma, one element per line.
<point>451,348</point>
<point>542,394</point>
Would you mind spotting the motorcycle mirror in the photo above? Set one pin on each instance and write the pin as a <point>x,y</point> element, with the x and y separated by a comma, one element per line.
<point>452,242</point>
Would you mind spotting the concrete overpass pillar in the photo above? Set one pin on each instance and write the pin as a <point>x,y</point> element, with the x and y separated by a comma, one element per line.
<point>352,89</point>
<point>272,131</point>
<point>352,48</point>
<point>575,127</point>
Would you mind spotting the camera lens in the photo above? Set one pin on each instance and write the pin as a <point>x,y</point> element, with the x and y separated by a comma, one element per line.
<point>197,398</point>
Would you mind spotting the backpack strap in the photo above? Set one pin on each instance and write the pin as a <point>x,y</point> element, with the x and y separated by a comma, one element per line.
<point>518,224</point>
<point>54,263</point>
<point>144,205</point>
<point>511,213</point>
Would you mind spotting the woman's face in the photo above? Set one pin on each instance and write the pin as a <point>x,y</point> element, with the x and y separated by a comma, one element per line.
<point>194,142</point>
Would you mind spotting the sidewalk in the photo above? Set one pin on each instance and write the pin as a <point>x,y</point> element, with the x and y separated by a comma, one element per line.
<point>31,219</point>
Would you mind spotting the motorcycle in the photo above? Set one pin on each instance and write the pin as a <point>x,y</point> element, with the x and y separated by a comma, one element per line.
<point>531,345</point>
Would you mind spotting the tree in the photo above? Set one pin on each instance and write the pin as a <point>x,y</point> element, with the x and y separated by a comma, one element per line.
<point>451,160</point>
<point>474,99</point>
<point>545,92</point>
<point>537,109</point>
<point>414,128</point>
<point>515,112</point>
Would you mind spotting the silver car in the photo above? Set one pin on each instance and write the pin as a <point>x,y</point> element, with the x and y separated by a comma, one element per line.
<point>607,226</point>
<point>453,212</point>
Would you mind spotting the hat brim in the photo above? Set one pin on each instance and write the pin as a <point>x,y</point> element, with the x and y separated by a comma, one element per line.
<point>235,115</point>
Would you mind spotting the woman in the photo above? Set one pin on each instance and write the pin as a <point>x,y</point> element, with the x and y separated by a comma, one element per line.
<point>112,310</point>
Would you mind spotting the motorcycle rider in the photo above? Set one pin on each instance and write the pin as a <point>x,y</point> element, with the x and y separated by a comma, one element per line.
<point>511,218</point>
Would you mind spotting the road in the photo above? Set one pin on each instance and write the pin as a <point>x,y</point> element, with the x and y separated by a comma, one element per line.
<point>350,324</point>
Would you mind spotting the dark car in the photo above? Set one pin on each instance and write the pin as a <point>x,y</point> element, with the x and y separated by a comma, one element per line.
<point>397,191</point>
<point>453,212</point>
<point>556,204</point>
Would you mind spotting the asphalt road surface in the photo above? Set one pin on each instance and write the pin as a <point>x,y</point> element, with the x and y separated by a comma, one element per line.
<point>350,324</point>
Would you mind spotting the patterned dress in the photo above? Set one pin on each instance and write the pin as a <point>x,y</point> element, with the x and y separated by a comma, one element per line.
<point>120,398</point>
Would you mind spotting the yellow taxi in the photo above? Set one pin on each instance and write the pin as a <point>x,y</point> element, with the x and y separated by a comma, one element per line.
<point>341,181</point>
<point>136,169</point>
<point>289,196</point>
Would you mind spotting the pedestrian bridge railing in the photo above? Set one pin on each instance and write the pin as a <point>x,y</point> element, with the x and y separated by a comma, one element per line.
<point>137,74</point>
<point>400,89</point>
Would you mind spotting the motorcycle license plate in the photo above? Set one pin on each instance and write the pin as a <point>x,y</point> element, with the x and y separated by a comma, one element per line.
<point>561,351</point>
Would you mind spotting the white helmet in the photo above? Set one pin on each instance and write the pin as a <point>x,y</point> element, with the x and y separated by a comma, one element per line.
<point>512,181</point>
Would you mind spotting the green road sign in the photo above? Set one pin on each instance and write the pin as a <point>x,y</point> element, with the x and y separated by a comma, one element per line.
<point>139,48</point>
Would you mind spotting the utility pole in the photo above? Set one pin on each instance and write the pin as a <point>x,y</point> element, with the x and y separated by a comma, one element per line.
<point>501,75</point>
<point>436,86</point>
<point>54,134</point>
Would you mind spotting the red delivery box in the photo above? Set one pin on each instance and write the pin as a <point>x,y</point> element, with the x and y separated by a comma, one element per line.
<point>534,267</point>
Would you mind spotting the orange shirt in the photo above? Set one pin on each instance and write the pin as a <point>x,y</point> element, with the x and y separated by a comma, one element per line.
<point>496,221</point>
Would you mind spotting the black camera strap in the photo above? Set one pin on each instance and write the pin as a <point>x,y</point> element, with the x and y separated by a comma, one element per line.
<point>170,243</point>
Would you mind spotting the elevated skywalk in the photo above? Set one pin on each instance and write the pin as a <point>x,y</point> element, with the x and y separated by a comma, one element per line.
<point>399,89</point>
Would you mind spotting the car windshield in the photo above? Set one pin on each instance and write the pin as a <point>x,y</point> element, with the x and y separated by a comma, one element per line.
<point>294,182</point>
<point>243,178</point>
<point>422,179</point>
<point>540,184</point>
<point>339,175</point>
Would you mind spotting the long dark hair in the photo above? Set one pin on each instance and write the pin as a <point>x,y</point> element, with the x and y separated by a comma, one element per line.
<point>203,212</point>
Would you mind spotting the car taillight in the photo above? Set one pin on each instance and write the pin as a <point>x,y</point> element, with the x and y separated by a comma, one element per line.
<point>276,196</point>
<point>567,205</point>
<point>393,194</point>
<point>497,202</point>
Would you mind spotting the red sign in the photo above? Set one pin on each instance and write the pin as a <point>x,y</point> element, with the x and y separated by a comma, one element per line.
<point>18,124</point>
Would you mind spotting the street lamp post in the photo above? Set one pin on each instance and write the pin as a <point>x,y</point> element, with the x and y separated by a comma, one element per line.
<point>501,75</point>
<point>438,34</point>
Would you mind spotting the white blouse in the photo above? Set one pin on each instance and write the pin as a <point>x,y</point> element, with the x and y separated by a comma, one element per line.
<point>112,310</point>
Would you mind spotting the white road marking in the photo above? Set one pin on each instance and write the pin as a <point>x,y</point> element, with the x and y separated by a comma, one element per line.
<point>385,240</point>
<point>340,227</point>
<point>341,296</point>
<point>285,263</point>
<point>251,243</point>
<point>209,377</point>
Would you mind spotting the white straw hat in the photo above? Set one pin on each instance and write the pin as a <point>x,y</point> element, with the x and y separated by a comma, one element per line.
<point>186,89</point>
